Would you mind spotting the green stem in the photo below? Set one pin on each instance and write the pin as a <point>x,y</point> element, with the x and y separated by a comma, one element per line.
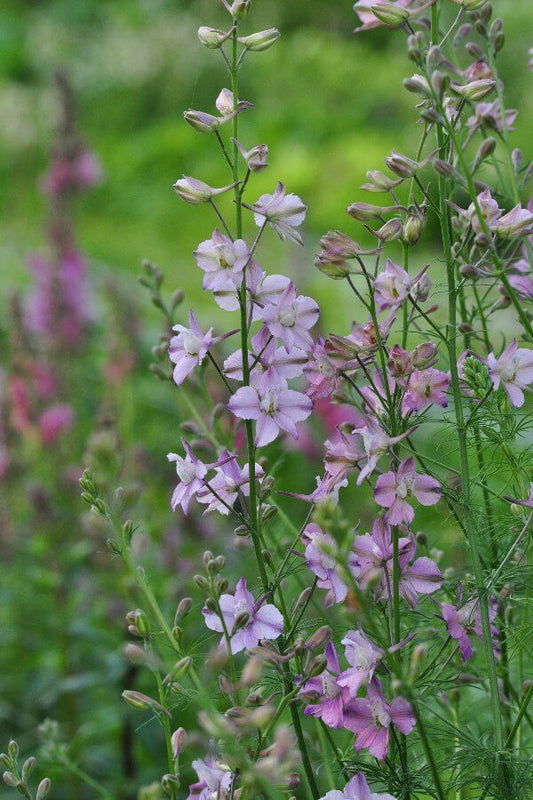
<point>522,710</point>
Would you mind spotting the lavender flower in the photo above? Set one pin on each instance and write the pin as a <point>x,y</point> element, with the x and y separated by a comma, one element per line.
<point>357,788</point>
<point>513,370</point>
<point>191,472</point>
<point>464,620</point>
<point>392,286</point>
<point>222,260</point>
<point>284,212</point>
<point>189,348</point>
<point>328,698</point>
<point>214,780</point>
<point>322,558</point>
<point>363,657</point>
<point>424,388</point>
<point>229,482</point>
<point>394,488</point>
<point>291,318</point>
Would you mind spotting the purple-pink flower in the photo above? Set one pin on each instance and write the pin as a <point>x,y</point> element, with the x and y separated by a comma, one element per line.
<point>363,657</point>
<point>320,371</point>
<point>327,698</point>
<point>272,405</point>
<point>246,621</point>
<point>464,620</point>
<point>284,212</point>
<point>213,780</point>
<point>513,370</point>
<point>394,489</point>
<point>291,317</point>
<point>370,718</point>
<point>228,483</point>
<point>424,388</point>
<point>191,472</point>
<point>357,788</point>
<point>392,286</point>
<point>188,349</point>
<point>321,557</point>
<point>222,261</point>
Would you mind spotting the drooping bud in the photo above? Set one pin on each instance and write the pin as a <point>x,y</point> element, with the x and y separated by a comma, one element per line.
<point>141,702</point>
<point>193,191</point>
<point>390,231</point>
<point>475,90</point>
<point>379,182</point>
<point>212,38</point>
<point>262,40</point>
<point>402,165</point>
<point>393,16</point>
<point>366,211</point>
<point>201,121</point>
<point>178,741</point>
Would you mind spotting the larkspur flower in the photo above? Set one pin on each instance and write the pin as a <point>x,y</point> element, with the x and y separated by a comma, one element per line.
<point>291,317</point>
<point>327,698</point>
<point>254,620</point>
<point>228,483</point>
<point>322,558</point>
<point>191,472</point>
<point>214,780</point>
<point>363,657</point>
<point>490,115</point>
<point>189,348</point>
<point>517,222</point>
<point>513,370</point>
<point>272,405</point>
<point>320,372</point>
<point>528,502</point>
<point>464,620</point>
<point>222,260</point>
<point>393,489</point>
<point>424,388</point>
<point>363,9</point>
<point>265,355</point>
<point>490,211</point>
<point>391,286</point>
<point>284,212</point>
<point>371,718</point>
<point>375,395</point>
<point>357,788</point>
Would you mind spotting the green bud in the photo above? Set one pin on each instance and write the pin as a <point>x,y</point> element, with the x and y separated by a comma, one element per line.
<point>262,40</point>
<point>43,789</point>
<point>170,784</point>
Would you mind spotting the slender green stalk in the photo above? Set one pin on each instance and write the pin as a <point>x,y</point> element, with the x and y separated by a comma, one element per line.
<point>522,710</point>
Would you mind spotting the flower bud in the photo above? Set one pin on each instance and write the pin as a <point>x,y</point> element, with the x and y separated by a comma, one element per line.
<point>13,749</point>
<point>184,607</point>
<point>390,231</point>
<point>486,149</point>
<point>28,767</point>
<point>413,226</point>
<point>43,789</point>
<point>474,50</point>
<point>444,168</point>
<point>262,40</point>
<point>401,165</point>
<point>475,90</point>
<point>464,31</point>
<point>178,741</point>
<point>141,702</point>
<point>392,16</point>
<point>469,5</point>
<point>366,211</point>
<point>194,191</point>
<point>239,8</point>
<point>417,84</point>
<point>379,182</point>
<point>170,784</point>
<point>317,666</point>
<point>9,779</point>
<point>201,121</point>
<point>212,38</point>
<point>319,637</point>
<point>256,158</point>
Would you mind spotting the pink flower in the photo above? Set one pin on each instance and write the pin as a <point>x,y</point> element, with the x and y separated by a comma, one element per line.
<point>188,349</point>
<point>284,212</point>
<point>321,373</point>
<point>376,443</point>
<point>528,502</point>
<point>222,260</point>
<point>490,114</point>
<point>424,388</point>
<point>363,657</point>
<point>291,317</point>
<point>328,699</point>
<point>357,788</point>
<point>191,472</point>
<point>370,719</point>
<point>369,20</point>
<point>490,211</point>
<point>265,355</point>
<point>513,370</point>
<point>272,405</point>
<point>393,489</point>
<point>54,421</point>
<point>246,621</point>
<point>464,620</point>
<point>228,483</point>
<point>214,781</point>
<point>517,222</point>
<point>392,286</point>
<point>321,557</point>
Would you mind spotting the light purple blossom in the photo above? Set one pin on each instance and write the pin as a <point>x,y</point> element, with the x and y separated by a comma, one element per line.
<point>228,483</point>
<point>363,657</point>
<point>357,788</point>
<point>188,349</point>
<point>490,211</point>
<point>257,620</point>
<point>517,222</point>
<point>393,489</point>
<point>370,719</point>
<point>424,388</point>
<point>328,698</point>
<point>191,472</point>
<point>392,286</point>
<point>490,115</point>
<point>213,780</point>
<point>321,557</point>
<point>291,317</point>
<point>284,212</point>
<point>222,260</point>
<point>265,355</point>
<point>272,405</point>
<point>513,370</point>
<point>320,371</point>
<point>464,620</point>
<point>528,502</point>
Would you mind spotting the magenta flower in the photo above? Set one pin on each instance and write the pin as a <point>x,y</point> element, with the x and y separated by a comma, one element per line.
<point>213,780</point>
<point>363,657</point>
<point>393,489</point>
<point>291,317</point>
<point>321,557</point>
<point>321,373</point>
<point>424,388</point>
<point>284,212</point>
<point>246,621</point>
<point>392,286</point>
<point>54,421</point>
<point>191,472</point>
<point>229,482</point>
<point>327,698</point>
<point>272,405</point>
<point>370,719</point>
<point>222,260</point>
<point>188,349</point>
<point>513,370</point>
<point>464,620</point>
<point>357,788</point>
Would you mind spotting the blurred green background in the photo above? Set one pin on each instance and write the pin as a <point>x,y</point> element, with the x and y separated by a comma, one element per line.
<point>329,104</point>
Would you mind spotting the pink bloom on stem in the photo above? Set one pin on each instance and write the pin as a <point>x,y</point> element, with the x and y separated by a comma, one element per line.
<point>265,355</point>
<point>321,557</point>
<point>363,657</point>
<point>213,781</point>
<point>189,348</point>
<point>272,405</point>
<point>228,483</point>
<point>191,472</point>
<point>513,370</point>
<point>464,620</point>
<point>517,222</point>
<point>392,286</point>
<point>424,388</point>
<point>321,373</point>
<point>222,260</point>
<point>376,443</point>
<point>291,317</point>
<point>328,698</point>
<point>528,502</point>
<point>327,488</point>
<point>376,395</point>
<point>54,421</point>
<point>284,212</point>
<point>357,788</point>
<point>490,115</point>
<point>490,211</point>
<point>246,621</point>
<point>370,719</point>
<point>368,19</point>
<point>393,489</point>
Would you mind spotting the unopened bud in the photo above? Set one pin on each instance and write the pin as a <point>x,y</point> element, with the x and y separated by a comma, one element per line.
<point>262,40</point>
<point>212,38</point>
<point>9,779</point>
<point>240,8</point>
<point>43,789</point>
<point>178,741</point>
<point>201,121</point>
<point>367,211</point>
<point>319,637</point>
<point>413,227</point>
<point>13,749</point>
<point>475,90</point>
<point>201,581</point>
<point>28,767</point>
<point>170,784</point>
<point>390,231</point>
<point>392,16</point>
<point>317,666</point>
<point>184,607</point>
<point>474,50</point>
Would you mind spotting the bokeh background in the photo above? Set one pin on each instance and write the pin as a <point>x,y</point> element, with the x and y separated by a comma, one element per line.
<point>330,106</point>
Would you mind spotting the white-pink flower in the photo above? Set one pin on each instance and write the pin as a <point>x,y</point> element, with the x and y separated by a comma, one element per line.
<point>424,388</point>
<point>191,472</point>
<point>222,260</point>
<point>246,621</point>
<point>188,349</point>
<point>513,370</point>
<point>394,489</point>
<point>363,657</point>
<point>228,483</point>
<point>284,212</point>
<point>357,788</point>
<point>392,286</point>
<point>272,405</point>
<point>291,317</point>
<point>322,558</point>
